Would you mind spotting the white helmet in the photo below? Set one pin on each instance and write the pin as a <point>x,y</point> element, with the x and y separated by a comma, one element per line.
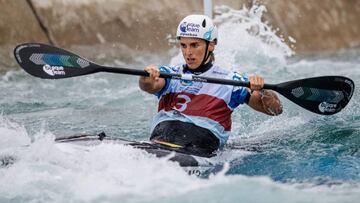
<point>197,26</point>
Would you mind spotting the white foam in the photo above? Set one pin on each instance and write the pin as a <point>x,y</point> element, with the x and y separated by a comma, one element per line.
<point>12,134</point>
<point>45,171</point>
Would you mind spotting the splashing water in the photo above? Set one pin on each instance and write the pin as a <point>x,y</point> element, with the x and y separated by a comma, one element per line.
<point>302,157</point>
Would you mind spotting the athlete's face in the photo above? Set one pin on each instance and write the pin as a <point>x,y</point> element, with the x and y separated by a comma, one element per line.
<point>193,50</point>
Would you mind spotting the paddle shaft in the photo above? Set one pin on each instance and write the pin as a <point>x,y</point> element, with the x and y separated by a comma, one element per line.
<point>191,77</point>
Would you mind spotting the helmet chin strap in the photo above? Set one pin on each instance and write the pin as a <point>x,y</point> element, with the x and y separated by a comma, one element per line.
<point>206,56</point>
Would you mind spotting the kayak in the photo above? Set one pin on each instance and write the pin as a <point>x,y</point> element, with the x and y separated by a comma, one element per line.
<point>201,165</point>
<point>194,164</point>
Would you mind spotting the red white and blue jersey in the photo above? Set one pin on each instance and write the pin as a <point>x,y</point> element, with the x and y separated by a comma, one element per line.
<point>203,104</point>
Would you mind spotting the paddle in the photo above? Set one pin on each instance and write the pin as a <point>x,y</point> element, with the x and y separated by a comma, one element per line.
<point>324,95</point>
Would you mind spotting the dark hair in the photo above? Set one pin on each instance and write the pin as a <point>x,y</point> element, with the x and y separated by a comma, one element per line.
<point>212,56</point>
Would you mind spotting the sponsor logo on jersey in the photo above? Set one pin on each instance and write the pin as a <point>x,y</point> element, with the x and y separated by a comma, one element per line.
<point>190,86</point>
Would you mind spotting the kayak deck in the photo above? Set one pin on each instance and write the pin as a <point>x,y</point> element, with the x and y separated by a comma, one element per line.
<point>185,159</point>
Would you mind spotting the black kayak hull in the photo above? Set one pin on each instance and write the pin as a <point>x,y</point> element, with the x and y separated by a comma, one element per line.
<point>194,165</point>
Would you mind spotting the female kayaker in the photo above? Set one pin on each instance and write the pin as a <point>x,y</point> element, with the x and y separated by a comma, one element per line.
<point>196,116</point>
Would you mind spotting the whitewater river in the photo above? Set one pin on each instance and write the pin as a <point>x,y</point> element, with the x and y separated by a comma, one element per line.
<point>302,157</point>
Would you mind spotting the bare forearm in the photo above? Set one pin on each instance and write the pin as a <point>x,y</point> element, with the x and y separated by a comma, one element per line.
<point>266,101</point>
<point>271,102</point>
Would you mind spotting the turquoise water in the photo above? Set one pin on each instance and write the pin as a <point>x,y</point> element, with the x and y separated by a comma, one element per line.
<point>302,157</point>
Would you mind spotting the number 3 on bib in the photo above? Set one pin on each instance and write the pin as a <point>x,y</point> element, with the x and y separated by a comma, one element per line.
<point>184,99</point>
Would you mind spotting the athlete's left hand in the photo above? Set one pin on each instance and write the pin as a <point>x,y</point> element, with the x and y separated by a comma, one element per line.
<point>256,82</point>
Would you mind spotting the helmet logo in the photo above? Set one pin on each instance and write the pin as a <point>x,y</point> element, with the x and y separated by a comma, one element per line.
<point>207,35</point>
<point>183,27</point>
<point>189,27</point>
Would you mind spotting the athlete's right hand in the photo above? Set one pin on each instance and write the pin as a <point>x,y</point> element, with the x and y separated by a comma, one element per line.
<point>154,73</point>
<point>151,83</point>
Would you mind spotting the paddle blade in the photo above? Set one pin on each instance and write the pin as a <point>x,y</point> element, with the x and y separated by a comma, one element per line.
<point>48,62</point>
<point>325,95</point>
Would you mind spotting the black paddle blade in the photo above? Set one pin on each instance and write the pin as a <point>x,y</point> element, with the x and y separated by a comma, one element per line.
<point>48,62</point>
<point>325,95</point>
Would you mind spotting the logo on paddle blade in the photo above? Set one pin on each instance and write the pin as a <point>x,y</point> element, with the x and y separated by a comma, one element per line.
<point>327,107</point>
<point>53,70</point>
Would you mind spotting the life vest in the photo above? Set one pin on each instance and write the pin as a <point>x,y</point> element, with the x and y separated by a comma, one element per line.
<point>203,104</point>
